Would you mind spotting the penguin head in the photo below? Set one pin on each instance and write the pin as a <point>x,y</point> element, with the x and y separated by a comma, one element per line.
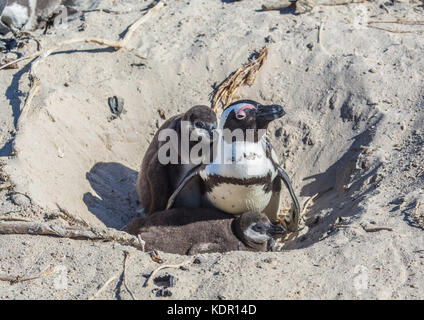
<point>201,122</point>
<point>255,229</point>
<point>249,114</point>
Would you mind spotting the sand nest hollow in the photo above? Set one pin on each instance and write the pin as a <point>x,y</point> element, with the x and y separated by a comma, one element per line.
<point>70,155</point>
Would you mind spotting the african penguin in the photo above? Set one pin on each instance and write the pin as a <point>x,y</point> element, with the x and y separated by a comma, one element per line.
<point>156,181</point>
<point>202,230</point>
<point>245,174</point>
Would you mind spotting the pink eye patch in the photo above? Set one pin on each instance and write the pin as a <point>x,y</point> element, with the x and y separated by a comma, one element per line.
<point>241,114</point>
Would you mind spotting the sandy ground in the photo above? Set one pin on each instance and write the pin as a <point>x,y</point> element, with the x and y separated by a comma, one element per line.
<point>352,139</point>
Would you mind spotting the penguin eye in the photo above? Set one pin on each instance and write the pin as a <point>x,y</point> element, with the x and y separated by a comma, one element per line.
<point>241,115</point>
<point>259,227</point>
<point>199,124</point>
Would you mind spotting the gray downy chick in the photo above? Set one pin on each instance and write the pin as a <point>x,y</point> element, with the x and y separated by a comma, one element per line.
<point>202,230</point>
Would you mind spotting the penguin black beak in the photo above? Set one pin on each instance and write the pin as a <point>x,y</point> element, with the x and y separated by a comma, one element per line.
<point>275,229</point>
<point>269,113</point>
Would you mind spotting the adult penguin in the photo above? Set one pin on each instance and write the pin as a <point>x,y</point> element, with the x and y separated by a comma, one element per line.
<point>245,174</point>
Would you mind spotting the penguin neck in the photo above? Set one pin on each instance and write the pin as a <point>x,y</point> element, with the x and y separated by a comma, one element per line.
<point>240,151</point>
<point>250,245</point>
<point>242,135</point>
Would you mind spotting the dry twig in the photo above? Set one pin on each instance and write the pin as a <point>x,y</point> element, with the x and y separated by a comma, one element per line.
<point>244,75</point>
<point>365,228</point>
<point>154,255</point>
<point>2,218</point>
<point>16,279</point>
<point>342,226</point>
<point>394,31</point>
<point>173,266</point>
<point>399,21</point>
<point>306,203</point>
<point>5,66</point>
<point>107,11</point>
<point>6,185</point>
<point>313,198</point>
<point>36,228</point>
<point>127,254</point>
<point>70,218</point>
<point>341,2</point>
<point>100,291</point>
<point>142,242</point>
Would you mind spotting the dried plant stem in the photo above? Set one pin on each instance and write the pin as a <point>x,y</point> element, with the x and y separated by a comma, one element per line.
<point>394,31</point>
<point>108,11</point>
<point>36,228</point>
<point>6,185</point>
<point>103,288</point>
<point>399,21</point>
<point>365,228</point>
<point>341,2</point>
<point>418,217</point>
<point>173,266</point>
<point>127,254</point>
<point>244,75</point>
<point>306,204</point>
<point>14,219</point>
<point>34,55</point>
<point>70,218</point>
<point>16,279</point>
<point>340,226</point>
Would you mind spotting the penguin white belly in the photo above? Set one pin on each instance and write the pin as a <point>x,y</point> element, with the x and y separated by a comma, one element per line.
<point>238,183</point>
<point>237,199</point>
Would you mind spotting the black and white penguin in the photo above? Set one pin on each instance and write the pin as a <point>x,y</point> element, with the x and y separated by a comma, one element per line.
<point>202,230</point>
<point>156,181</point>
<point>245,174</point>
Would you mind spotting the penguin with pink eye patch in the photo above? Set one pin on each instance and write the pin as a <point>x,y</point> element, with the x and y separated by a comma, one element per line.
<point>245,174</point>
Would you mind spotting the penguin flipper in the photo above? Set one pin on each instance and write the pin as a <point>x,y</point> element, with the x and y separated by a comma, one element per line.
<point>191,174</point>
<point>292,221</point>
<point>273,208</point>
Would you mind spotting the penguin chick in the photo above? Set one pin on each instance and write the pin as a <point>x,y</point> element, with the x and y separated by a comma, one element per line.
<point>192,231</point>
<point>157,181</point>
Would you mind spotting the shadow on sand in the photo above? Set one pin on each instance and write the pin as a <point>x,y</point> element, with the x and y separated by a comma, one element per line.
<point>115,198</point>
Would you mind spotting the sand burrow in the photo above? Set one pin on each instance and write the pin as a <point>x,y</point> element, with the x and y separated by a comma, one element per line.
<point>69,153</point>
